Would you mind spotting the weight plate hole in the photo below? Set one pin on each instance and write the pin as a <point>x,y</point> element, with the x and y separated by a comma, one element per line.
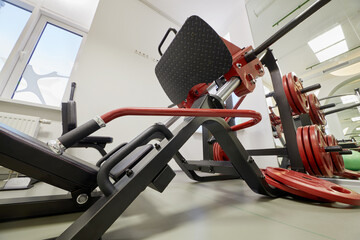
<point>340,189</point>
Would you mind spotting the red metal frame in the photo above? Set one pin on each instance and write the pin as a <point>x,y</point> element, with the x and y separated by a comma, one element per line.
<point>247,71</point>
<point>191,112</point>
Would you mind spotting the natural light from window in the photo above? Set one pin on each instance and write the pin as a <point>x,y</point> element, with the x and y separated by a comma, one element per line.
<point>329,44</point>
<point>47,73</point>
<point>12,22</point>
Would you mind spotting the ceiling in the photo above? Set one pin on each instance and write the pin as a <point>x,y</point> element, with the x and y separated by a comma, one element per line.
<point>292,50</point>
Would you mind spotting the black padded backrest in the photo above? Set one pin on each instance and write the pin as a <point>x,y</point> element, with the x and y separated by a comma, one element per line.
<point>196,55</point>
<point>33,158</point>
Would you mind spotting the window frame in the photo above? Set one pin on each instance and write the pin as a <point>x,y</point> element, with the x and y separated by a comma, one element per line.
<point>26,44</point>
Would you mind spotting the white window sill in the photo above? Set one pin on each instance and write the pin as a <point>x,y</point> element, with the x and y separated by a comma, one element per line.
<point>31,109</point>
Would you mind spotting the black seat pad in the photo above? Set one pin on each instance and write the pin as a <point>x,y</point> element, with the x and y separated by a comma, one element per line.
<point>33,158</point>
<point>196,55</point>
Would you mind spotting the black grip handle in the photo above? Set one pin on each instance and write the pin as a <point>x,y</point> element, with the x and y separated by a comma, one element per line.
<point>330,105</point>
<point>311,88</point>
<point>77,134</point>
<point>164,38</point>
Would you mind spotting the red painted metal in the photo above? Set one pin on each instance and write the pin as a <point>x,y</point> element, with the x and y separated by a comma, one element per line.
<point>309,153</point>
<point>292,190</point>
<point>240,68</point>
<point>350,174</point>
<point>322,157</point>
<point>305,161</point>
<point>336,158</point>
<point>295,87</point>
<point>314,186</point>
<point>236,106</point>
<point>288,95</point>
<point>195,92</point>
<point>192,112</point>
<point>218,153</point>
<point>317,116</point>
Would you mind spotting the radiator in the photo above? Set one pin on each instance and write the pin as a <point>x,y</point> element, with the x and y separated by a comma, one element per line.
<point>27,124</point>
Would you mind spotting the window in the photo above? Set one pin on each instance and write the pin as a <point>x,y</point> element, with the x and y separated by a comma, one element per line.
<point>12,23</point>
<point>39,52</point>
<point>329,44</point>
<point>47,73</point>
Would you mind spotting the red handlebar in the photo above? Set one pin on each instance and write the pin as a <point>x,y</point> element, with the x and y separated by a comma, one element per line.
<point>191,112</point>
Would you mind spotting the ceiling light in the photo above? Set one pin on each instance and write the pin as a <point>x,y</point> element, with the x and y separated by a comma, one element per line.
<point>347,71</point>
<point>358,128</point>
<point>327,39</point>
<point>349,99</point>
<point>332,51</point>
<point>355,119</point>
<point>345,130</point>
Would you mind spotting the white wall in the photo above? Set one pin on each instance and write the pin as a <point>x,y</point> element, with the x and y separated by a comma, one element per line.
<point>79,12</point>
<point>110,74</point>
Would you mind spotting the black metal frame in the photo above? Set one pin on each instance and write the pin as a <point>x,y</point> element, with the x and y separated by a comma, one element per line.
<point>101,215</point>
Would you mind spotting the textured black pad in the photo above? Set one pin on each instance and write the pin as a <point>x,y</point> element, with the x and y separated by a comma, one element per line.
<point>196,55</point>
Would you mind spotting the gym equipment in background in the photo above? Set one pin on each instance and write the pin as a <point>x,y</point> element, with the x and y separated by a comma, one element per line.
<point>137,165</point>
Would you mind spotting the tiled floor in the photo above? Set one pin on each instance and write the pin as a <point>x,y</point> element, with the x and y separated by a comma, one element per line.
<point>206,211</point>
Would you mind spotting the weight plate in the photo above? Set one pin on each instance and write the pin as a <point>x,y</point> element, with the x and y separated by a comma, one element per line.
<point>304,159</point>
<point>292,190</point>
<point>317,116</point>
<point>318,144</point>
<point>315,186</point>
<point>336,158</point>
<point>288,96</point>
<point>308,151</point>
<point>295,86</point>
<point>350,174</point>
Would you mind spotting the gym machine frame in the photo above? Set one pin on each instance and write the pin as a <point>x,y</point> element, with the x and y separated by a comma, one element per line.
<point>153,170</point>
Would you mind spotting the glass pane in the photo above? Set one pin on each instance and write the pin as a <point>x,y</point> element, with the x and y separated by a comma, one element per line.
<point>47,73</point>
<point>12,22</point>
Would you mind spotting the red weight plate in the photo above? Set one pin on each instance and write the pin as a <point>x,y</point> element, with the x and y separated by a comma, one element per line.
<point>305,161</point>
<point>315,186</point>
<point>292,190</point>
<point>295,86</point>
<point>350,174</point>
<point>317,116</point>
<point>318,144</point>
<point>288,96</point>
<point>336,158</point>
<point>308,151</point>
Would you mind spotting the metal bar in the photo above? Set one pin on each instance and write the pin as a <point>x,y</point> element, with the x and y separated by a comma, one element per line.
<point>223,167</point>
<point>310,88</point>
<point>298,7</point>
<point>285,112</point>
<point>345,152</point>
<point>330,105</point>
<point>342,109</point>
<point>168,123</point>
<point>333,149</point>
<point>268,151</point>
<point>225,91</point>
<point>29,207</point>
<point>289,26</point>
